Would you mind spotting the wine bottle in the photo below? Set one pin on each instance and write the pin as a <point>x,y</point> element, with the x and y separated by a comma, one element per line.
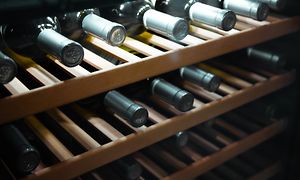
<point>139,15</point>
<point>8,68</point>
<point>18,153</point>
<point>88,20</point>
<point>178,140</point>
<point>198,12</point>
<point>26,37</point>
<point>265,57</point>
<point>165,91</point>
<point>134,113</point>
<point>275,4</point>
<point>128,167</point>
<point>262,111</point>
<point>249,8</point>
<point>199,77</point>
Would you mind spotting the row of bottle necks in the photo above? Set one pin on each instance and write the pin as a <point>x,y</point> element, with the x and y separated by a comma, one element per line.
<point>59,36</point>
<point>23,148</point>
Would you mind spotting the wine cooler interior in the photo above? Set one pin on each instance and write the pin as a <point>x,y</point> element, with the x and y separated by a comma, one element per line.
<point>181,98</point>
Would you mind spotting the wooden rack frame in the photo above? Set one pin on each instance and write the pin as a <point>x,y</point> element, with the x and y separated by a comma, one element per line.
<point>108,77</point>
<point>268,172</point>
<point>146,136</point>
<point>230,151</point>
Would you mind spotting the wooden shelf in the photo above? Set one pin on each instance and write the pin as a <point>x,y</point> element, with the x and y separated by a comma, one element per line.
<point>203,43</point>
<point>209,162</point>
<point>142,137</point>
<point>268,172</point>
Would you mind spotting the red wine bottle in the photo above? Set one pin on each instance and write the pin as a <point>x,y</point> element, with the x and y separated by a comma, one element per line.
<point>198,12</point>
<point>75,24</point>
<point>8,69</point>
<point>27,38</point>
<point>17,152</point>
<point>139,15</point>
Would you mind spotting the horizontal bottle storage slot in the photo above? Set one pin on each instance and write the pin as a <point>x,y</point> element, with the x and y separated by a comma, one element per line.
<point>102,137</point>
<point>61,85</point>
<point>160,160</point>
<point>208,146</point>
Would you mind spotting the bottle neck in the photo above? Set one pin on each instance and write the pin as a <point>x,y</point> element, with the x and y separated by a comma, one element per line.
<point>179,8</point>
<point>71,23</point>
<point>129,14</point>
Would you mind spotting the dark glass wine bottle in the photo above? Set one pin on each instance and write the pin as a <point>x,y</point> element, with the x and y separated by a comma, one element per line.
<point>178,140</point>
<point>199,77</point>
<point>26,38</point>
<point>275,4</point>
<point>139,15</point>
<point>167,92</point>
<point>249,8</point>
<point>8,69</point>
<point>198,12</point>
<point>89,21</point>
<point>128,167</point>
<point>267,58</point>
<point>17,152</point>
<point>134,113</point>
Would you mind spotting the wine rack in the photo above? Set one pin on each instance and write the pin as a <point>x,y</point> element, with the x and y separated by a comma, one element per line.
<point>204,43</point>
<point>161,55</point>
<point>202,154</point>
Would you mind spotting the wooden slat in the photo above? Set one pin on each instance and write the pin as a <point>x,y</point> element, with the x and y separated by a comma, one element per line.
<point>230,128</point>
<point>131,72</point>
<point>240,72</point>
<point>141,47</point>
<point>228,152</point>
<point>192,40</point>
<point>150,165</point>
<point>215,29</point>
<point>122,54</point>
<point>203,33</point>
<point>159,41</point>
<point>226,76</point>
<point>121,147</point>
<point>243,26</point>
<point>199,91</point>
<point>96,61</point>
<point>268,172</point>
<point>224,88</point>
<point>76,71</point>
<point>98,123</point>
<point>251,21</point>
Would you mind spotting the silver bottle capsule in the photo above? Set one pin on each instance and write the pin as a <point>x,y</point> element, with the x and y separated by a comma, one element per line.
<point>69,52</point>
<point>253,9</point>
<point>113,33</point>
<point>221,18</point>
<point>172,27</point>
